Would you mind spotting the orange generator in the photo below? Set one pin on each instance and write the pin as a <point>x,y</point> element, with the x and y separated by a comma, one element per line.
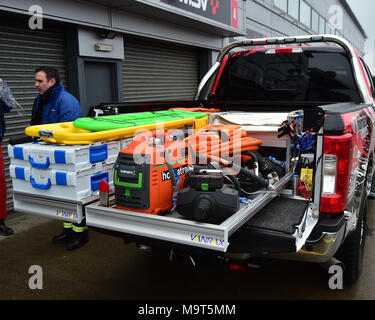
<point>147,173</point>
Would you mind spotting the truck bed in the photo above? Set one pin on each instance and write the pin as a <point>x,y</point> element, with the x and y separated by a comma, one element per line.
<point>174,228</point>
<point>273,230</point>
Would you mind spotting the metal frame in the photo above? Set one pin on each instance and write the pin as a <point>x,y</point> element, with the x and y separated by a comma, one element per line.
<point>55,208</point>
<point>175,228</point>
<point>48,207</point>
<point>360,81</point>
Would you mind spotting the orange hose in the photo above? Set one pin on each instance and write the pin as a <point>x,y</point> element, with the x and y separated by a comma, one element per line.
<point>207,142</point>
<point>244,142</point>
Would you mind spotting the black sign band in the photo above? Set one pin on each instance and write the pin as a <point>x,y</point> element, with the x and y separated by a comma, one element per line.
<point>224,11</point>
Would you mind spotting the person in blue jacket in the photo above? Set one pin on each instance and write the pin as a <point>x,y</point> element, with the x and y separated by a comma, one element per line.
<point>52,105</point>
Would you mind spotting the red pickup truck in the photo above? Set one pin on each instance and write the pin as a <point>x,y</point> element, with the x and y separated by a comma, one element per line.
<point>322,154</point>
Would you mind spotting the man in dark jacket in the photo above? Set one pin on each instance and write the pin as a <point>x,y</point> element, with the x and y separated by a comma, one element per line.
<point>53,105</point>
<point>4,230</point>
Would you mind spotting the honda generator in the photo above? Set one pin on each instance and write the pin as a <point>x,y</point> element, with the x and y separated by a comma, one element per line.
<point>148,173</point>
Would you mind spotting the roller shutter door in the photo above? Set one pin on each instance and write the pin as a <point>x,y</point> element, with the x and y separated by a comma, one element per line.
<point>159,71</point>
<point>21,52</point>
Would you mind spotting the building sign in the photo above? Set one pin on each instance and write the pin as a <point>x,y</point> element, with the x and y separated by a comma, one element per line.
<point>224,11</point>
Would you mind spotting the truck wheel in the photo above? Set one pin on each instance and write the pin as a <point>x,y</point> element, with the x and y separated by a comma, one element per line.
<point>352,250</point>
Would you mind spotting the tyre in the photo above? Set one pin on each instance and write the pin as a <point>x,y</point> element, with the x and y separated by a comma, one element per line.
<point>352,250</point>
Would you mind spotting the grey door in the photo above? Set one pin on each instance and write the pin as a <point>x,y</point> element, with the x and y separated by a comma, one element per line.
<point>159,71</point>
<point>100,83</point>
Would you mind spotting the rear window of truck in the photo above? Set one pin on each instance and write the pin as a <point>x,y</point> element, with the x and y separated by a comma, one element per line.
<point>305,76</point>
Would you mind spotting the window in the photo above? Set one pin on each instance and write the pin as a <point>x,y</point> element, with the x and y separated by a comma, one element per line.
<point>307,76</point>
<point>293,8</point>
<point>305,14</point>
<point>322,25</point>
<point>314,21</point>
<point>281,4</point>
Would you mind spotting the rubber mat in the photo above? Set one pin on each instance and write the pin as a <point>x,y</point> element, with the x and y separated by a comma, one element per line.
<point>281,214</point>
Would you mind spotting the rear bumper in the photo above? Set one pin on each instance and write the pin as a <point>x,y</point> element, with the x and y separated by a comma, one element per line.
<point>324,242</point>
<point>317,252</point>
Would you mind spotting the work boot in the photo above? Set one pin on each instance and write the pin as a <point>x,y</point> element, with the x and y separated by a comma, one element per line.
<point>78,240</point>
<point>63,237</point>
<point>4,230</point>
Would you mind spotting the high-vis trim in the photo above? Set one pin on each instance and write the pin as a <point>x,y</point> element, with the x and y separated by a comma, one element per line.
<point>68,225</point>
<point>79,229</point>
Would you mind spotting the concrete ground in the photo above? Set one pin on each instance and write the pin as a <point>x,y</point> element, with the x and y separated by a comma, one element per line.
<point>106,268</point>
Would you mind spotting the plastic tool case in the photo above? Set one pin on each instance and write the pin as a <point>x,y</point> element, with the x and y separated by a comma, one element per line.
<point>58,180</point>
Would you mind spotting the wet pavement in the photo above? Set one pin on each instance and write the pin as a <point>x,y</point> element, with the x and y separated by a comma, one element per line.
<point>106,268</point>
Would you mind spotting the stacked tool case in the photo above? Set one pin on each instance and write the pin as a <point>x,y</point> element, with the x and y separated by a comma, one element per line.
<point>65,175</point>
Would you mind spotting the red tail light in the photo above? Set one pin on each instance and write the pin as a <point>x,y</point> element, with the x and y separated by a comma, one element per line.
<point>237,267</point>
<point>337,168</point>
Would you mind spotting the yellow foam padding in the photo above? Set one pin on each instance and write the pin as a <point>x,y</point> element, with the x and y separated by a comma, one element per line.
<point>66,133</point>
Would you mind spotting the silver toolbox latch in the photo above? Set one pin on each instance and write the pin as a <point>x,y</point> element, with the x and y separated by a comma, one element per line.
<point>46,134</point>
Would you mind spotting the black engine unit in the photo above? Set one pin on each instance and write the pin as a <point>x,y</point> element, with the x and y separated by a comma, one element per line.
<point>207,199</point>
